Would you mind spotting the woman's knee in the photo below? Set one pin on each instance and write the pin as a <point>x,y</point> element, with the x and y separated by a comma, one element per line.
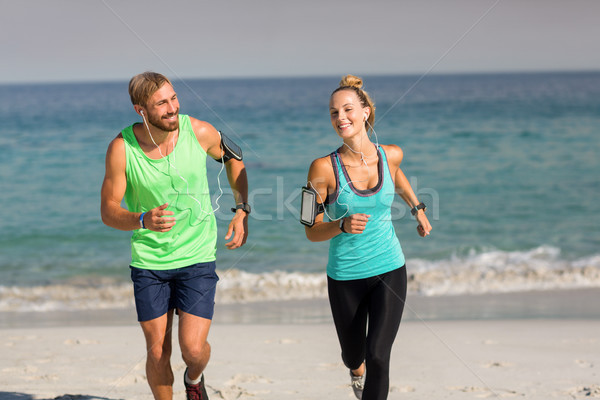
<point>378,362</point>
<point>353,359</point>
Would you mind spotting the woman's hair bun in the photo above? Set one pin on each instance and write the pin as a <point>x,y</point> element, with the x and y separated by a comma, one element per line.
<point>351,81</point>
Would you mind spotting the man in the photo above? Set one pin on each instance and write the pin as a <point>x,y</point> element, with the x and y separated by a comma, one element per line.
<point>159,168</point>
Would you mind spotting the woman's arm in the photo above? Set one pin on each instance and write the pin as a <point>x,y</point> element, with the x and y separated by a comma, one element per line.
<point>322,179</point>
<point>403,188</point>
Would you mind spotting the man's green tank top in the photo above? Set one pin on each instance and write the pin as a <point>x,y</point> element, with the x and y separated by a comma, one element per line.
<point>180,180</point>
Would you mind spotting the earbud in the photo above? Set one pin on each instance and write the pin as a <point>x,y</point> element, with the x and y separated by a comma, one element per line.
<point>366,117</point>
<point>142,112</point>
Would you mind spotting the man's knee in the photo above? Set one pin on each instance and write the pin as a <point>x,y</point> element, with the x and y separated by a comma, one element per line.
<point>159,354</point>
<point>195,350</point>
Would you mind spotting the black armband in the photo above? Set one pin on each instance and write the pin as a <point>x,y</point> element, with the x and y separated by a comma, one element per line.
<point>230,149</point>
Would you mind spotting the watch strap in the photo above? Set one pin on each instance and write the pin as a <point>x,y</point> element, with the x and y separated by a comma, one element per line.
<point>418,207</point>
<point>142,225</point>
<point>342,225</point>
<point>243,206</point>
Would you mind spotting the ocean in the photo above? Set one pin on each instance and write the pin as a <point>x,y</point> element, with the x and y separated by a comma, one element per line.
<point>507,164</point>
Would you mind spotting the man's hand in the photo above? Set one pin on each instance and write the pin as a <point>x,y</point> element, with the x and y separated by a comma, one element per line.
<point>238,228</point>
<point>155,219</point>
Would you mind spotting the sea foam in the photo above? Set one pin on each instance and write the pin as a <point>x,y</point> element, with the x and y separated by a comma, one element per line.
<point>541,268</point>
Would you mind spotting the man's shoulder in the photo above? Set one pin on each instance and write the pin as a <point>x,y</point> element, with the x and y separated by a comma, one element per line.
<point>117,142</point>
<point>115,154</point>
<point>200,126</point>
<point>205,133</point>
<point>127,134</point>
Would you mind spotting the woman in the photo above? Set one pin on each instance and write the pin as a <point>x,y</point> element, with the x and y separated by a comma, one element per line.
<point>365,273</point>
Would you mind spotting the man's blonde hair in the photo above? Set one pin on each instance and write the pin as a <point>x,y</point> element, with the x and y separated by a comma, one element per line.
<point>143,86</point>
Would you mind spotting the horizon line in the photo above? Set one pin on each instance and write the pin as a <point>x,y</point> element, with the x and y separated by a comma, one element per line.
<point>309,76</point>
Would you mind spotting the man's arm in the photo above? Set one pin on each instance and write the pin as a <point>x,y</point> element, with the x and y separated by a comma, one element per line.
<point>210,140</point>
<point>238,180</point>
<point>113,191</point>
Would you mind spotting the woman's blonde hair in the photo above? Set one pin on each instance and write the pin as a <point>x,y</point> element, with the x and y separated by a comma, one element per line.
<point>143,86</point>
<point>354,83</point>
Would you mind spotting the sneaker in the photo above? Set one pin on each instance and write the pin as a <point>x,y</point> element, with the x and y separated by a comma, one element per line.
<point>358,384</point>
<point>195,392</point>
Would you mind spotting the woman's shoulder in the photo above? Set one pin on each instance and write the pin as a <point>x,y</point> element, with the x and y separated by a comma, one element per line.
<point>324,161</point>
<point>321,166</point>
<point>393,153</point>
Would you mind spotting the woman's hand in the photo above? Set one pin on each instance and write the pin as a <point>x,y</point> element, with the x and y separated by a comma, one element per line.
<point>424,227</point>
<point>355,223</point>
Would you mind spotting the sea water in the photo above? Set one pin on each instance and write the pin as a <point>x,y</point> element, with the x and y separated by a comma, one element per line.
<point>507,164</point>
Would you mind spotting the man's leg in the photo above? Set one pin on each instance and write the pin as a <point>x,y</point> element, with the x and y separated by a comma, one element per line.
<point>195,349</point>
<point>158,361</point>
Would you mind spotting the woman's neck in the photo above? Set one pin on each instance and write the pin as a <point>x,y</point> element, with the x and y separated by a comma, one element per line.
<point>358,148</point>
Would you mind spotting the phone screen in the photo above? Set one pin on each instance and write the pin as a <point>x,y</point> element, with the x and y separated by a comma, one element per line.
<point>307,209</point>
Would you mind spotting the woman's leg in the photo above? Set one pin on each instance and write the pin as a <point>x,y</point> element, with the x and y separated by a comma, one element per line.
<point>386,305</point>
<point>349,311</point>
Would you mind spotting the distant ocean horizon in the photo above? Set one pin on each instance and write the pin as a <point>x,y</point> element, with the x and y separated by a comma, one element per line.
<point>414,76</point>
<point>507,164</point>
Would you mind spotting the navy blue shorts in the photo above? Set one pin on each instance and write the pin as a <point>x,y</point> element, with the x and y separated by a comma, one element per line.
<point>189,289</point>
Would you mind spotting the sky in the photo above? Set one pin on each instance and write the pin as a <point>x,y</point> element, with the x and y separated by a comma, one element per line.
<point>110,40</point>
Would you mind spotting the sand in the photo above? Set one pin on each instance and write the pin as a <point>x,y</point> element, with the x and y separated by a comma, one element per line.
<point>432,359</point>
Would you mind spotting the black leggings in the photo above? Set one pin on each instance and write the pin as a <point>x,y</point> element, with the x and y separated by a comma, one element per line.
<point>380,301</point>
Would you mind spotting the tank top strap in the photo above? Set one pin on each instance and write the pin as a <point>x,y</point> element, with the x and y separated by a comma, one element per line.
<point>386,166</point>
<point>337,172</point>
<point>130,140</point>
<point>185,127</point>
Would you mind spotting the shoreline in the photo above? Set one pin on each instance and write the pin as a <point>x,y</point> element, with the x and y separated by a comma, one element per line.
<point>555,304</point>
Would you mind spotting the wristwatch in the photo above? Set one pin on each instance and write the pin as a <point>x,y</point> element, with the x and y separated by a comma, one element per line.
<point>418,207</point>
<point>244,206</point>
<point>342,225</point>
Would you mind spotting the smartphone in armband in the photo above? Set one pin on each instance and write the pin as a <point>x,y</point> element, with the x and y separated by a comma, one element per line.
<point>309,207</point>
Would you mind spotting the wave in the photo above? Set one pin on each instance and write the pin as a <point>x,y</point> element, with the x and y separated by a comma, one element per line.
<point>498,271</point>
<point>541,268</point>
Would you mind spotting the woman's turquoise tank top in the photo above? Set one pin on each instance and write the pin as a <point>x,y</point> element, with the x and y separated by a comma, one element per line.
<point>376,250</point>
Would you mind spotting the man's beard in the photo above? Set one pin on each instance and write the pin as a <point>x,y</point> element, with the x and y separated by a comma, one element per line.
<point>164,125</point>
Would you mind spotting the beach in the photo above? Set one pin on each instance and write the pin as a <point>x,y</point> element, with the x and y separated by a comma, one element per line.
<point>502,297</point>
<point>290,351</point>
